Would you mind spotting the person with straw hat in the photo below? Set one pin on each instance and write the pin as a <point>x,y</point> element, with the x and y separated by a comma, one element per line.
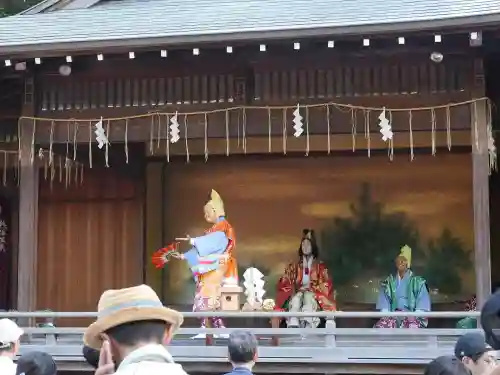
<point>131,330</point>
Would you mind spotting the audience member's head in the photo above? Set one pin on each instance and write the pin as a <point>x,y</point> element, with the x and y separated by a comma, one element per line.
<point>242,349</point>
<point>36,363</point>
<point>490,320</point>
<point>10,333</point>
<point>129,319</point>
<point>473,351</point>
<point>446,365</point>
<point>91,356</point>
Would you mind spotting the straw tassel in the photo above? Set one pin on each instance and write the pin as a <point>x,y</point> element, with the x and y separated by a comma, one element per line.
<point>75,143</point>
<point>90,144</point>
<point>367,132</point>
<point>167,135</point>
<point>390,151</point>
<point>476,132</point>
<point>151,136</point>
<point>353,129</point>
<point>158,133</point>
<point>307,131</point>
<point>106,153</point>
<point>448,127</point>
<point>68,138</point>
<point>19,135</point>
<point>244,140</point>
<point>206,137</point>
<point>269,130</point>
<point>186,137</point>
<point>433,132</point>
<point>284,131</point>
<point>238,123</point>
<point>329,130</point>
<point>227,132</point>
<point>51,144</point>
<point>410,121</point>
<point>126,141</point>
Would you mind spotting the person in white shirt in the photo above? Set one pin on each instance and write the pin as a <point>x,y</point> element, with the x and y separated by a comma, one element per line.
<point>10,333</point>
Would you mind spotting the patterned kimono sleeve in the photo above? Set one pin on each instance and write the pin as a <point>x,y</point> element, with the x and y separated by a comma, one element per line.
<point>285,286</point>
<point>323,289</point>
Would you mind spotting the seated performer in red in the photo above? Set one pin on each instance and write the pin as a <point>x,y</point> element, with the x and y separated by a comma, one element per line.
<point>306,286</point>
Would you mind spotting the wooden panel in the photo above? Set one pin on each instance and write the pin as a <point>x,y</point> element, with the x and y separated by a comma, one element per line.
<point>60,95</point>
<point>90,239</point>
<point>359,78</point>
<point>272,83</point>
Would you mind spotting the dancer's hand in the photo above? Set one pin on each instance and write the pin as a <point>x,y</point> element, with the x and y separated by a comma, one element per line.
<point>178,256</point>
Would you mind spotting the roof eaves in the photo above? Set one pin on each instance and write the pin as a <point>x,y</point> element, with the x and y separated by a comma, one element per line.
<point>41,49</point>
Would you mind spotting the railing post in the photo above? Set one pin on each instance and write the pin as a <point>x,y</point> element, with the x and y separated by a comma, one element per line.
<point>330,325</point>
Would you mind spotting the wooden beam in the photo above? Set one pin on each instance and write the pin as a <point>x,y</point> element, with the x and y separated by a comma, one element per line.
<point>480,190</point>
<point>28,210</point>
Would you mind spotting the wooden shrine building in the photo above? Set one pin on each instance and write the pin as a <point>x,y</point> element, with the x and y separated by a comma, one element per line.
<point>230,74</point>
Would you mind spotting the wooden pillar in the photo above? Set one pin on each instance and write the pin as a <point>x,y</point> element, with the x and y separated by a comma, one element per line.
<point>154,224</point>
<point>28,210</point>
<point>480,187</point>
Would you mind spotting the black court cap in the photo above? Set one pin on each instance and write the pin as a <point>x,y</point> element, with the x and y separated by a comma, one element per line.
<point>446,365</point>
<point>36,363</point>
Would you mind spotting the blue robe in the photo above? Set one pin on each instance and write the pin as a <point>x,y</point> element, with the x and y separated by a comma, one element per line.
<point>204,256</point>
<point>410,294</point>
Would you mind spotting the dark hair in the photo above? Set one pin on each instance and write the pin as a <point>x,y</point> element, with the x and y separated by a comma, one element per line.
<point>495,287</point>
<point>314,245</point>
<point>242,347</point>
<point>130,334</point>
<point>36,363</point>
<point>446,365</point>
<point>91,356</point>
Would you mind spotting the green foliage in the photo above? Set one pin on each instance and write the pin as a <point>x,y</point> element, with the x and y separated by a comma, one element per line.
<point>367,242</point>
<point>446,256</point>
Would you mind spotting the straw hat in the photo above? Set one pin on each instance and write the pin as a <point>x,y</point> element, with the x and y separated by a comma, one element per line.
<point>127,305</point>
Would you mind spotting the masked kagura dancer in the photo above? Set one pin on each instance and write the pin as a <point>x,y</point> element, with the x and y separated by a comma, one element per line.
<point>211,259</point>
<point>305,285</point>
<point>403,291</point>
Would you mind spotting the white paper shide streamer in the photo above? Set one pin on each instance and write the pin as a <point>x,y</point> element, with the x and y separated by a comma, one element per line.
<point>492,149</point>
<point>174,129</point>
<point>100,135</point>
<point>298,125</point>
<point>254,286</point>
<point>385,127</point>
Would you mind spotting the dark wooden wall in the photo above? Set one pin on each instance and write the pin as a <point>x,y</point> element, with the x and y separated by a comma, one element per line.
<point>208,82</point>
<point>89,240</point>
<point>272,84</point>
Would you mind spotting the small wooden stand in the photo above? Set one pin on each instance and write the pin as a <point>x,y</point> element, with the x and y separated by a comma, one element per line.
<point>229,301</point>
<point>230,297</point>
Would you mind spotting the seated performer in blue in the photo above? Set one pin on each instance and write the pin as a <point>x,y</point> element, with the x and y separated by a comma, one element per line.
<point>403,291</point>
<point>211,259</point>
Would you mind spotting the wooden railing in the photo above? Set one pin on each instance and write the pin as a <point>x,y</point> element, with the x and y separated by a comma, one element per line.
<point>320,346</point>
